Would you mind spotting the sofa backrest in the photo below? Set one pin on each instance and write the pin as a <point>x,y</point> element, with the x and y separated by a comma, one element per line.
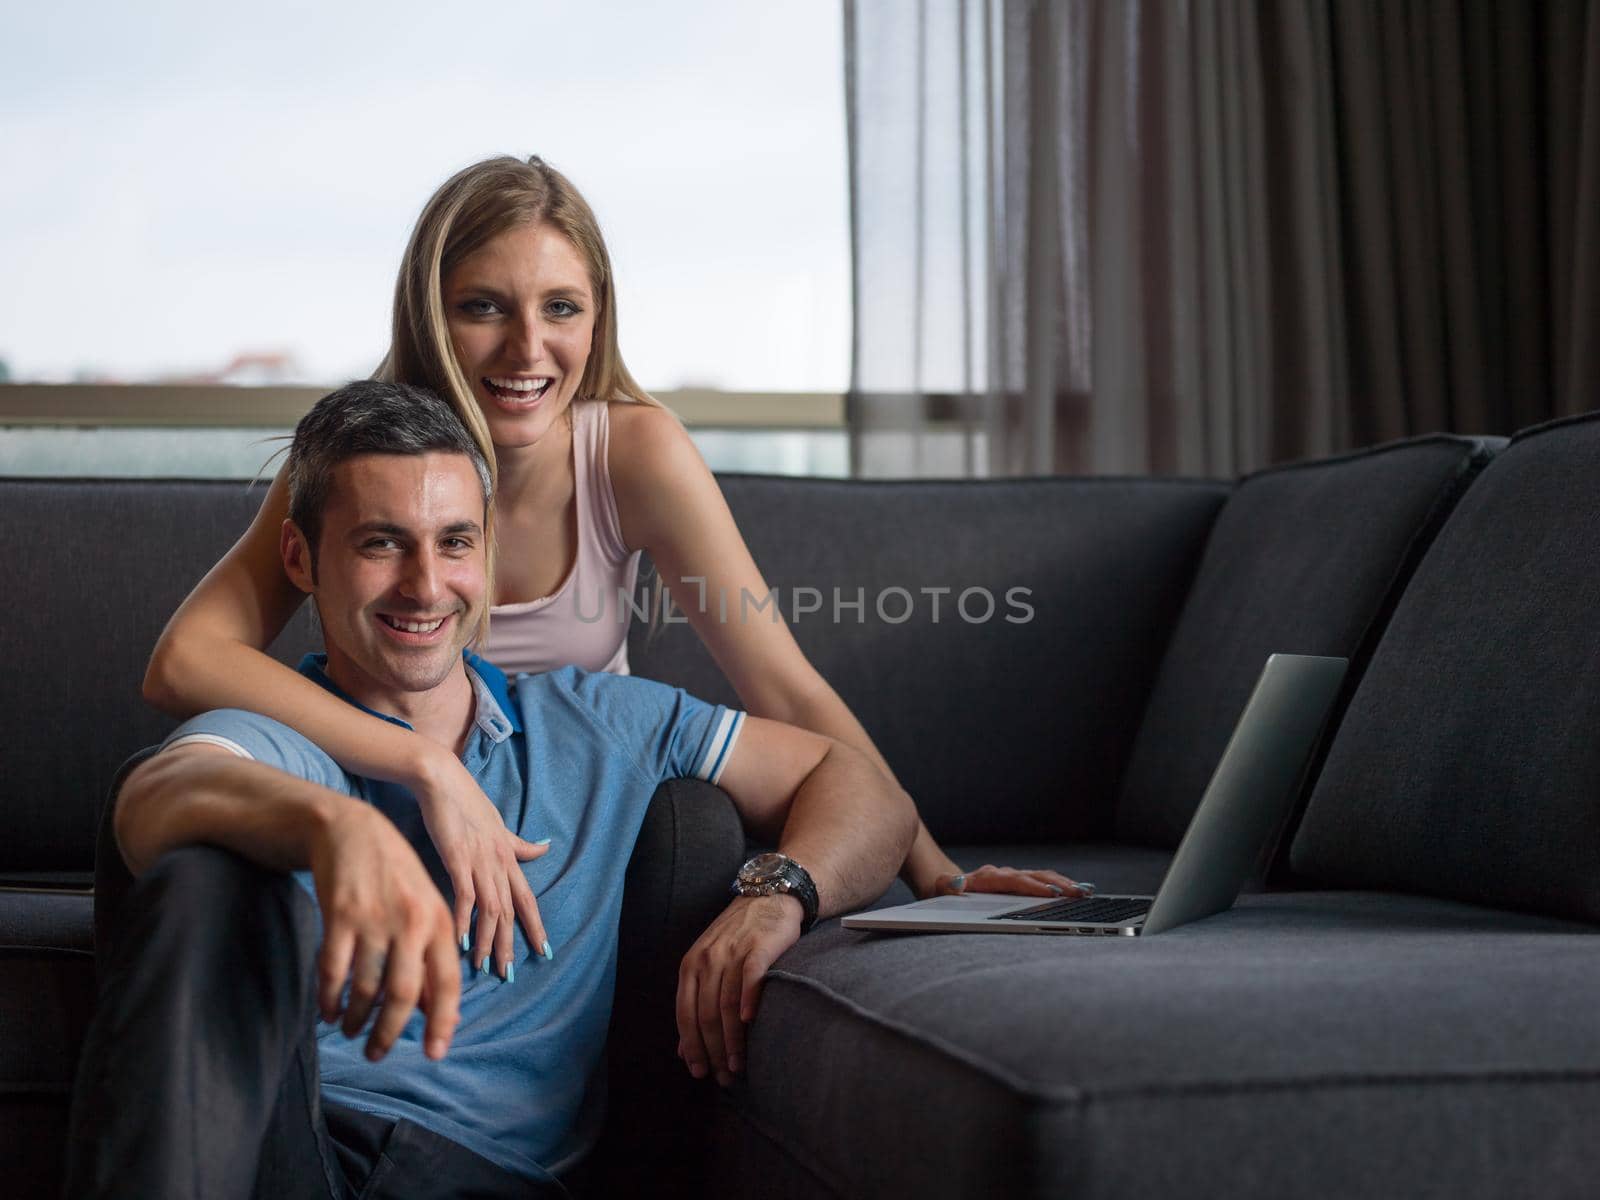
<point>1015,727</point>
<point>1305,559</point>
<point>1468,762</point>
<point>98,565</point>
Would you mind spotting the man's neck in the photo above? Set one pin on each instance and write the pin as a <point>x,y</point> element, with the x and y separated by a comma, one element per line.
<point>443,713</point>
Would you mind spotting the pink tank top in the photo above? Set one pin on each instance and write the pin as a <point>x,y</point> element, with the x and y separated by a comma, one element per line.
<point>583,622</point>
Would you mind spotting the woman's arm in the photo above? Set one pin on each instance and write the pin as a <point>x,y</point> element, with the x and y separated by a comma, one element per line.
<point>670,505</point>
<point>212,655</point>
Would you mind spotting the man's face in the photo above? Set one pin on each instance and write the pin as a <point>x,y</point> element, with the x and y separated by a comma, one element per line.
<point>400,572</point>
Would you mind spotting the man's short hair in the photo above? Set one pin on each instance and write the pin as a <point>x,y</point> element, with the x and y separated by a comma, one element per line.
<point>369,416</point>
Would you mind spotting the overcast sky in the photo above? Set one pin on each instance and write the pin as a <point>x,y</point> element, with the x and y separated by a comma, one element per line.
<point>187,180</point>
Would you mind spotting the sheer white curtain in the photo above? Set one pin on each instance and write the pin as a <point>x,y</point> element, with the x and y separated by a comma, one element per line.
<point>1171,236</point>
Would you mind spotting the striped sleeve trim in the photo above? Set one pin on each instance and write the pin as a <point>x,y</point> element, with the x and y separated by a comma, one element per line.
<point>210,739</point>
<point>721,747</point>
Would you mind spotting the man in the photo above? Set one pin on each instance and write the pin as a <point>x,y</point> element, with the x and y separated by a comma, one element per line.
<point>205,1073</point>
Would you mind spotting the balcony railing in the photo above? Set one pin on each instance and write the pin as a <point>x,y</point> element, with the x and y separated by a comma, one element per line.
<point>214,430</point>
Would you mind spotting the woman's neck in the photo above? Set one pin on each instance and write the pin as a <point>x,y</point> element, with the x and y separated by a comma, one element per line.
<point>528,474</point>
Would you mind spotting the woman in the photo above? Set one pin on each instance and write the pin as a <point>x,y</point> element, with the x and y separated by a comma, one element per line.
<point>505,306</point>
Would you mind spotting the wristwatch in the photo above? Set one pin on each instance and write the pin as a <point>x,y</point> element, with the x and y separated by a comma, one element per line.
<point>774,874</point>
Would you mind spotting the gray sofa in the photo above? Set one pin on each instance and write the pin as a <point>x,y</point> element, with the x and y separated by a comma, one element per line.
<point>1405,1006</point>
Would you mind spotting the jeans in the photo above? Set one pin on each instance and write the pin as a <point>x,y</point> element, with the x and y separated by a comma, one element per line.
<point>198,1078</point>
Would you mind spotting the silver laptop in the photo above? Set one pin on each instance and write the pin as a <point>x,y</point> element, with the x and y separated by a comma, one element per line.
<point>1249,795</point>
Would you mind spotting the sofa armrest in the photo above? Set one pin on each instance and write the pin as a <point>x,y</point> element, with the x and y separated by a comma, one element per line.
<point>660,1120</point>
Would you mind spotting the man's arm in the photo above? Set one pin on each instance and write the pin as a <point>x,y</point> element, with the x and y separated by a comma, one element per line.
<point>385,925</point>
<point>832,811</point>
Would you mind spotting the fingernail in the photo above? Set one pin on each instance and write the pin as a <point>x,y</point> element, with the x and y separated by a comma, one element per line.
<point>1055,889</point>
<point>723,1079</point>
<point>549,954</point>
<point>959,883</point>
<point>735,1063</point>
<point>542,842</point>
<point>511,973</point>
<point>483,967</point>
<point>466,945</point>
<point>697,1070</point>
<point>1088,887</point>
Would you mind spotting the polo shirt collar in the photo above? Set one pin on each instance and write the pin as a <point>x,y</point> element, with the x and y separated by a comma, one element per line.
<point>494,713</point>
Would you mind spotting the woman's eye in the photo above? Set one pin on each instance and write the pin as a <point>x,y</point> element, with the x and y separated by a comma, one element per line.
<point>478,307</point>
<point>563,308</point>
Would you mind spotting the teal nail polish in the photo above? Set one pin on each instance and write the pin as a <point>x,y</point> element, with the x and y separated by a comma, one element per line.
<point>511,973</point>
<point>1055,889</point>
<point>959,883</point>
<point>542,842</point>
<point>483,967</point>
<point>466,944</point>
<point>549,954</point>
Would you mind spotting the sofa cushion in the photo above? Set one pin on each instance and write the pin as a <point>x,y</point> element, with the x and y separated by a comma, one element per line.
<point>1059,685</point>
<point>1468,763</point>
<point>120,556</point>
<point>46,996</point>
<point>1303,559</point>
<point>1301,1044</point>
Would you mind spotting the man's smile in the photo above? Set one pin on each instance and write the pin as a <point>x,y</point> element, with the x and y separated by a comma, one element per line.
<point>416,631</point>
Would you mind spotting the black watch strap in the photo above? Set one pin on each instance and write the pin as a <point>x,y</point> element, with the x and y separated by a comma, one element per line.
<point>804,890</point>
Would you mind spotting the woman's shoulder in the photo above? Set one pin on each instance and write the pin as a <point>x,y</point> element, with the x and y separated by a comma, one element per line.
<point>637,419</point>
<point>660,482</point>
<point>646,440</point>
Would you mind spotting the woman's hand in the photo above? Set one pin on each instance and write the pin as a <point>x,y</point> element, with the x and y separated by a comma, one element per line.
<point>484,860</point>
<point>988,878</point>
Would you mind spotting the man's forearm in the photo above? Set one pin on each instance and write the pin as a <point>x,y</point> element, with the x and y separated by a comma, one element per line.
<point>850,826</point>
<point>182,799</point>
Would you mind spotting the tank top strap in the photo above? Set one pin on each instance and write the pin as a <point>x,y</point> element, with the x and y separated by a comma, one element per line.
<point>591,463</point>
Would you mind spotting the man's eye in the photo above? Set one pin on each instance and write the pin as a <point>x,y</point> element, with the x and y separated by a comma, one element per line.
<point>378,544</point>
<point>458,544</point>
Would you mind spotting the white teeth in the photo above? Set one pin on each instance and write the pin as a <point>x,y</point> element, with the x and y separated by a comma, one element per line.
<point>415,626</point>
<point>520,385</point>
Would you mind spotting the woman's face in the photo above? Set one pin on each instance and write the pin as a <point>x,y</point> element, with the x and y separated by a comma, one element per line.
<point>521,315</point>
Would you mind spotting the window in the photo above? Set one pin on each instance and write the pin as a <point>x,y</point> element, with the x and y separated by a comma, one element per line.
<point>208,195</point>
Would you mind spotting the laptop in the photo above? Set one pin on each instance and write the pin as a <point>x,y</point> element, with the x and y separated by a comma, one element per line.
<point>1250,793</point>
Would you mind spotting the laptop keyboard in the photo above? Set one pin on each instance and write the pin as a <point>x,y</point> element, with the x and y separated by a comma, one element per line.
<point>1090,908</point>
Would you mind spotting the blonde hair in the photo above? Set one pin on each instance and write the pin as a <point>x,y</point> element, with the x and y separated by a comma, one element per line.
<point>471,208</point>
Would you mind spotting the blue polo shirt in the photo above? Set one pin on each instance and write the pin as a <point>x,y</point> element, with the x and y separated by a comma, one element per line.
<point>569,755</point>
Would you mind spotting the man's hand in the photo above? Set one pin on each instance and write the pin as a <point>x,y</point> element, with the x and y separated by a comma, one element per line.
<point>719,982</point>
<point>990,878</point>
<point>484,861</point>
<point>386,929</point>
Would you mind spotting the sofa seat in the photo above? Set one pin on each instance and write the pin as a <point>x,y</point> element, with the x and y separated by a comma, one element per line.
<point>1308,1043</point>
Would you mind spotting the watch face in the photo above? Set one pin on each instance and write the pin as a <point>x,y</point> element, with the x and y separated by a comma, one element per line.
<point>762,867</point>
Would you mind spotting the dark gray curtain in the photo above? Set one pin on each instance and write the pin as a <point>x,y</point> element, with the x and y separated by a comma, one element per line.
<point>1173,236</point>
